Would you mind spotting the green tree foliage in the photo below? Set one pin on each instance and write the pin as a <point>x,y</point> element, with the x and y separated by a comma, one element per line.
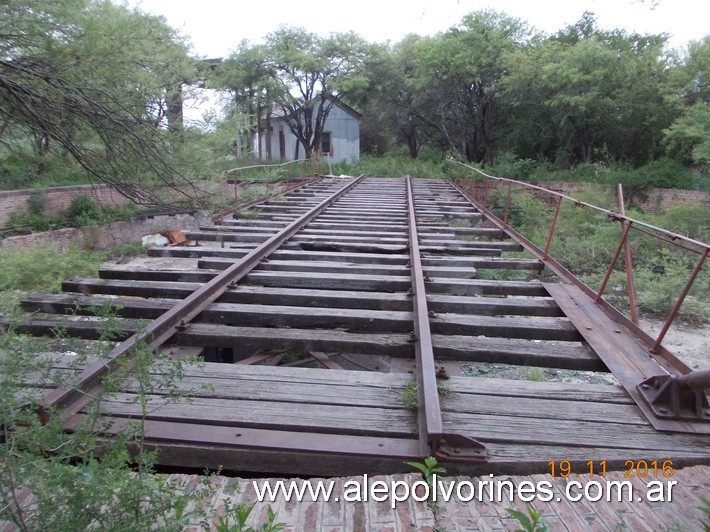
<point>92,81</point>
<point>298,74</point>
<point>491,89</point>
<point>586,95</point>
<point>689,136</point>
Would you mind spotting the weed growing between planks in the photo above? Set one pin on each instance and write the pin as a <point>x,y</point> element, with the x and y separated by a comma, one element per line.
<point>56,480</point>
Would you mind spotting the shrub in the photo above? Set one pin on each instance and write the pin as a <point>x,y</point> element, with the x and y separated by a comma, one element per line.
<point>84,211</point>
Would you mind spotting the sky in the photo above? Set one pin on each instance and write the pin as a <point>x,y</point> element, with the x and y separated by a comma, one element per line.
<point>216,27</point>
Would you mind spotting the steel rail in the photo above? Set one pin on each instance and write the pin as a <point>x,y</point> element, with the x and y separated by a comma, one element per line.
<point>432,437</point>
<point>156,333</point>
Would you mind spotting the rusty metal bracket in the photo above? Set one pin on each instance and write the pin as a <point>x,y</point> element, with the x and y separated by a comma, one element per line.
<point>682,398</point>
<point>459,448</point>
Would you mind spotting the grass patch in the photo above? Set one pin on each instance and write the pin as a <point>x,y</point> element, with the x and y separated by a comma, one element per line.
<point>41,269</point>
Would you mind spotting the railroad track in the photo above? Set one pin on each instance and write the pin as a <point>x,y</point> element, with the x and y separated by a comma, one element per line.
<point>334,323</point>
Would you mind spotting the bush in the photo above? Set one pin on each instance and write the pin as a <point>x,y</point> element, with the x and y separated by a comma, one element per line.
<point>84,211</point>
<point>585,241</point>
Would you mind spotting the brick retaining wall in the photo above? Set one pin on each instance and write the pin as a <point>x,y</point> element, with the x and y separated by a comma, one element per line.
<point>654,200</point>
<point>101,237</point>
<point>59,198</point>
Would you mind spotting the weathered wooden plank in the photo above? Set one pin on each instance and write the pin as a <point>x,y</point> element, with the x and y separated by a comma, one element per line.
<point>86,330</point>
<point>203,334</point>
<point>226,236</point>
<point>491,306</point>
<point>200,446</point>
<point>133,288</point>
<point>234,228</point>
<point>272,414</point>
<point>531,327</point>
<point>319,298</point>
<point>312,266</point>
<point>482,251</point>
<point>429,233</point>
<point>369,283</point>
<point>174,276</point>
<point>88,305</point>
<point>233,313</point>
<point>442,246</point>
<point>483,263</point>
<point>558,391</point>
<point>543,409</point>
<point>571,433</point>
<point>364,230</point>
<point>268,376</point>
<point>385,211</point>
<point>564,355</point>
<point>479,287</point>
<point>390,227</point>
<point>231,252</point>
<point>345,218</point>
<point>281,391</point>
<point>346,247</point>
<point>307,317</point>
<point>197,251</point>
<point>394,239</point>
<point>247,294</point>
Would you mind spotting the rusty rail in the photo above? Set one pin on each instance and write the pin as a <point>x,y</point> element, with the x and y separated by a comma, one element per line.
<point>450,447</point>
<point>72,400</point>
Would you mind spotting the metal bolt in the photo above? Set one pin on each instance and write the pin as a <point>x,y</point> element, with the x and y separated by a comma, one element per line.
<point>645,386</point>
<point>663,410</point>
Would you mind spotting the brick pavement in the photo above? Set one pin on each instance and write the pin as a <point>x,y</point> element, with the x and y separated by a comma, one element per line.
<point>681,513</point>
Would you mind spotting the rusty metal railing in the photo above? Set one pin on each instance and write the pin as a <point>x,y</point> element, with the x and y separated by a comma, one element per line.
<point>481,195</point>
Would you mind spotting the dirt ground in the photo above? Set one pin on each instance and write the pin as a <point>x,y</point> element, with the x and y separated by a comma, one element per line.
<point>689,343</point>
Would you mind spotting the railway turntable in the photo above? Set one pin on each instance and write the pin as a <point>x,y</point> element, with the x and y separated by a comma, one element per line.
<point>332,327</point>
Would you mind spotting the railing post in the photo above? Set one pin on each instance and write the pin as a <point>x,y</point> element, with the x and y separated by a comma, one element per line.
<point>552,229</point>
<point>624,234</point>
<point>236,193</point>
<point>681,298</point>
<point>507,205</point>
<point>629,267</point>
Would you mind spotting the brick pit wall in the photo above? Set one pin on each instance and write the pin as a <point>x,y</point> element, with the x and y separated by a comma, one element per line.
<point>100,237</point>
<point>103,237</point>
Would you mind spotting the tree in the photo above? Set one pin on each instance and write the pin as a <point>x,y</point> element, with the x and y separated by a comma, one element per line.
<point>585,94</point>
<point>458,76</point>
<point>310,72</point>
<point>93,81</point>
<point>688,138</point>
<point>394,109</point>
<point>247,76</point>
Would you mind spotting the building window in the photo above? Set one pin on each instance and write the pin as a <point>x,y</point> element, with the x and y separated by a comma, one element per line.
<point>325,145</point>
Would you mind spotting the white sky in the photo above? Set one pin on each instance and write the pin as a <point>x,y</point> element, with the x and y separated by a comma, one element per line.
<point>215,27</point>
